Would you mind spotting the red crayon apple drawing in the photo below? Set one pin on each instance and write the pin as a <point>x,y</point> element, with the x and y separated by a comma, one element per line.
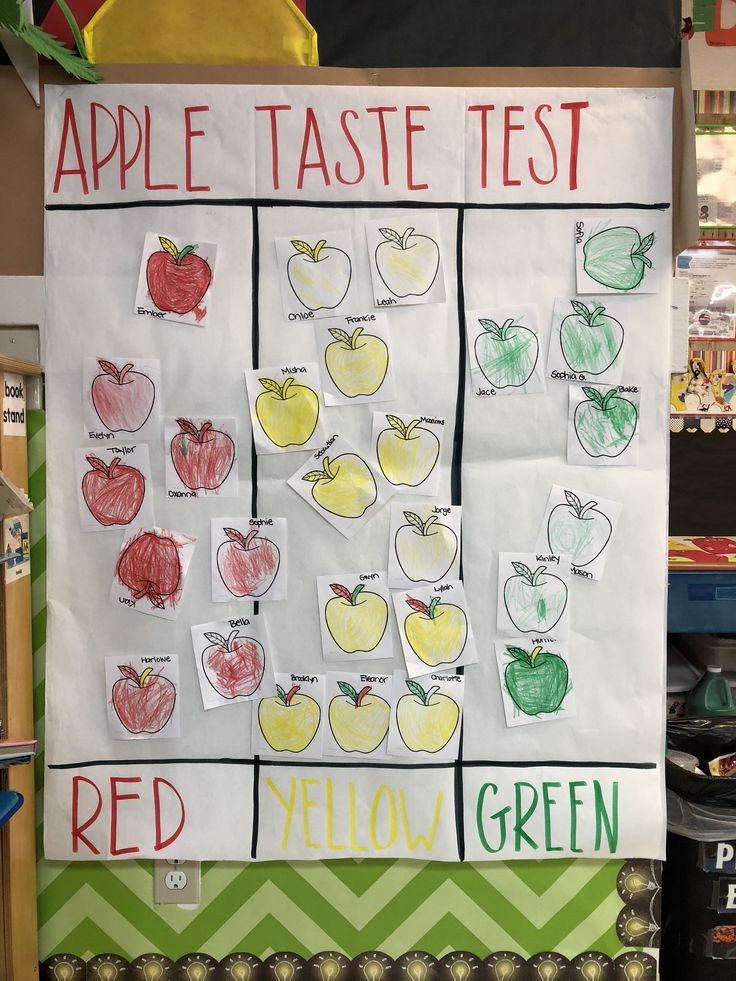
<point>177,279</point>
<point>233,665</point>
<point>150,566</point>
<point>248,564</point>
<point>202,457</point>
<point>143,702</point>
<point>112,491</point>
<point>122,397</point>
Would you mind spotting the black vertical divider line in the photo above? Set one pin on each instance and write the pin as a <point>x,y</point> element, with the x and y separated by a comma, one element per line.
<point>456,490</point>
<point>255,346</point>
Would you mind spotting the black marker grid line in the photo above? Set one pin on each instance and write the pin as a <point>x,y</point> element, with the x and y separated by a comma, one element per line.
<point>459,765</point>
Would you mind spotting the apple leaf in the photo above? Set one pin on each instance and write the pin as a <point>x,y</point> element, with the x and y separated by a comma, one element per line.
<point>342,591</point>
<point>214,638</point>
<point>574,501</point>
<point>645,245</point>
<point>128,672</point>
<point>314,475</point>
<point>303,248</point>
<point>281,694</point>
<point>594,395</point>
<point>390,235</point>
<point>271,386</point>
<point>341,335</point>
<point>96,463</point>
<point>417,605</point>
<point>414,519</point>
<point>397,424</point>
<point>522,570</point>
<point>188,427</point>
<point>169,246</point>
<point>491,326</point>
<point>236,536</point>
<point>416,689</point>
<point>581,310</point>
<point>108,367</point>
<point>519,654</point>
<point>348,690</point>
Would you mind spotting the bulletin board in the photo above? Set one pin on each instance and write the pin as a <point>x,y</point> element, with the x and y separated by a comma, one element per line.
<point>499,210</point>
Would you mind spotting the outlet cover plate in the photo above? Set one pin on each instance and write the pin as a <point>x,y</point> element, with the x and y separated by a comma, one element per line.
<point>176,882</point>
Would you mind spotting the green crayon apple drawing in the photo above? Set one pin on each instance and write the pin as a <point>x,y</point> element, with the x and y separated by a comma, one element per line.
<point>605,422</point>
<point>578,530</point>
<point>537,681</point>
<point>507,353</point>
<point>617,257</point>
<point>534,601</point>
<point>407,263</point>
<point>590,339</point>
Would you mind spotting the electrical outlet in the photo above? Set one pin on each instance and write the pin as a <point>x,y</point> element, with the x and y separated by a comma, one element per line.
<point>176,881</point>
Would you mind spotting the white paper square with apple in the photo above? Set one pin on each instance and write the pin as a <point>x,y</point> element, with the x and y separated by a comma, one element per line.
<point>233,660</point>
<point>424,543</point>
<point>355,359</point>
<point>142,696</point>
<point>285,410</point>
<point>354,616</point>
<point>579,524</point>
<point>434,627</point>
<point>620,253</point>
<point>535,681</point>
<point>151,570</point>
<point>427,717</point>
<point>406,259</point>
<point>341,485</point>
<point>406,450</point>
<point>603,425</point>
<point>587,339</point>
<point>248,559</point>
<point>316,274</point>
<point>358,715</point>
<point>114,487</point>
<point>504,351</point>
<point>175,279</point>
<point>200,457</point>
<point>121,398</point>
<point>533,595</point>
<point>290,719</point>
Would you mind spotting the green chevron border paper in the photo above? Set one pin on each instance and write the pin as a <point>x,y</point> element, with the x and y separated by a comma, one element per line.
<point>365,918</point>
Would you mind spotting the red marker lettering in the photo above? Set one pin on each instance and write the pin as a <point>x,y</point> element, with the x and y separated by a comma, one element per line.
<point>97,163</point>
<point>380,110</point>
<point>354,146</point>
<point>575,109</point>
<point>272,110</point>
<point>160,842</point>
<point>77,828</point>
<point>508,126</point>
<point>550,144</point>
<point>312,129</point>
<point>125,162</point>
<point>410,129</point>
<point>114,798</point>
<point>483,110</point>
<point>147,158</point>
<point>190,135</point>
<point>70,126</point>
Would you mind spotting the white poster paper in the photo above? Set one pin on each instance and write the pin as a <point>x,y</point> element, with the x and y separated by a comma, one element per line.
<point>249,559</point>
<point>354,611</point>
<point>114,486</point>
<point>355,359</point>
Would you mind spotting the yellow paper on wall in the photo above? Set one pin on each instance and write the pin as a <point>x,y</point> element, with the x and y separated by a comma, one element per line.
<point>220,32</point>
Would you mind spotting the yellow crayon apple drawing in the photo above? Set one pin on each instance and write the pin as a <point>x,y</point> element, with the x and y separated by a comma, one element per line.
<point>436,633</point>
<point>357,363</point>
<point>319,276</point>
<point>359,721</point>
<point>356,620</point>
<point>289,721</point>
<point>344,486</point>
<point>425,550</point>
<point>288,412</point>
<point>426,719</point>
<point>407,262</point>
<point>406,452</point>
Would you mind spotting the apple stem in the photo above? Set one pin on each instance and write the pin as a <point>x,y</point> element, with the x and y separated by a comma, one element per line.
<point>144,677</point>
<point>113,466</point>
<point>355,593</point>
<point>286,386</point>
<point>123,373</point>
<point>535,653</point>
<point>405,237</point>
<point>361,695</point>
<point>586,507</point>
<point>231,639</point>
<point>538,573</point>
<point>432,609</point>
<point>429,692</point>
<point>410,427</point>
<point>250,539</point>
<point>354,338</point>
<point>291,692</point>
